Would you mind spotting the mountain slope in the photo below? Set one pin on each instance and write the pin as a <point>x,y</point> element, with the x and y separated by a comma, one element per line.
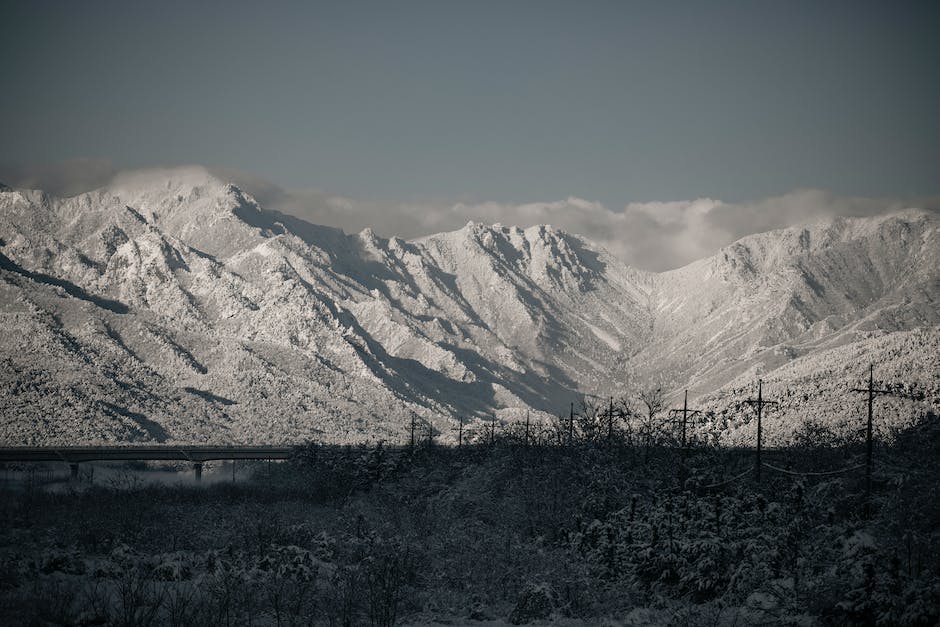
<point>772,297</point>
<point>172,307</point>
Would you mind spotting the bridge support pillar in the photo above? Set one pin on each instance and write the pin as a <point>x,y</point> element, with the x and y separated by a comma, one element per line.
<point>73,471</point>
<point>197,471</point>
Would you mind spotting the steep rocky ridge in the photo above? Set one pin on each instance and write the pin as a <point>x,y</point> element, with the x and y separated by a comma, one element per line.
<point>170,306</point>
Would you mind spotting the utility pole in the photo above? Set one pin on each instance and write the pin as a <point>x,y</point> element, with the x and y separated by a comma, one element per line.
<point>527,428</point>
<point>871,392</point>
<point>686,414</point>
<point>459,431</point>
<point>571,425</point>
<point>412,431</point>
<point>610,421</point>
<point>493,431</point>
<point>430,434</point>
<point>759,403</point>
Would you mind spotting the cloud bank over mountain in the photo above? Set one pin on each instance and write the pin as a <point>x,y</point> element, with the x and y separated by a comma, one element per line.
<point>653,236</point>
<point>648,235</point>
<point>60,178</point>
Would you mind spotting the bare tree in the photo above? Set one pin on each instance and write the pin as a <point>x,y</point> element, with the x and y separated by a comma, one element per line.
<point>653,399</point>
<point>629,419</point>
<point>590,418</point>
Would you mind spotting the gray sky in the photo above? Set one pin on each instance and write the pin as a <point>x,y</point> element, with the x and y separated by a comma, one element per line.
<point>445,105</point>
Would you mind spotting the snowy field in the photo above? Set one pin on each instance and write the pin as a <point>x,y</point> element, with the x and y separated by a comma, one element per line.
<point>595,533</point>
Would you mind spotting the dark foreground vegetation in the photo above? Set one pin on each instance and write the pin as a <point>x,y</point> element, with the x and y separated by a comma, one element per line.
<point>501,532</point>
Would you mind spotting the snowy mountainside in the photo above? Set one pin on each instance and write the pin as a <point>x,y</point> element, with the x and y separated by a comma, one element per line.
<point>172,307</point>
<point>773,297</point>
<point>817,389</point>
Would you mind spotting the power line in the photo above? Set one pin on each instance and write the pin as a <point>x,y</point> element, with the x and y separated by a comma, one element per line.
<point>813,474</point>
<point>726,482</point>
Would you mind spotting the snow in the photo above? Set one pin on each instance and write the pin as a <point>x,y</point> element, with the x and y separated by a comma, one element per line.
<point>319,321</point>
<point>605,337</point>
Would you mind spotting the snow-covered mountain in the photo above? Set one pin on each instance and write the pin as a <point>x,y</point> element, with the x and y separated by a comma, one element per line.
<point>172,307</point>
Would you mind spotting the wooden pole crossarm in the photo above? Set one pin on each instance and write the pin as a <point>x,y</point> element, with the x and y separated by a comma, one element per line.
<point>679,416</point>
<point>690,412</point>
<point>760,402</point>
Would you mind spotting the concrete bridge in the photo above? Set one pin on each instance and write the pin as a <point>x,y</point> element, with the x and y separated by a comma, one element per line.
<point>197,455</point>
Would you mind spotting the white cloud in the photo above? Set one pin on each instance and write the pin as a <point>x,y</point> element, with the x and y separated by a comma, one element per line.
<point>650,235</point>
<point>61,178</point>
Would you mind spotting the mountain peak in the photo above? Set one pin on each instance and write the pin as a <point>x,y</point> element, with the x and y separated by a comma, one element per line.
<point>488,234</point>
<point>191,203</point>
<point>759,252</point>
<point>188,183</point>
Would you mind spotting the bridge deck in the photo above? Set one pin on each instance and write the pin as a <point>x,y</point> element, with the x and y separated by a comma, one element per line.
<point>75,454</point>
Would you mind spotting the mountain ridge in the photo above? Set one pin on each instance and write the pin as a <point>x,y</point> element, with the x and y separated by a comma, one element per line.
<point>314,333</point>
